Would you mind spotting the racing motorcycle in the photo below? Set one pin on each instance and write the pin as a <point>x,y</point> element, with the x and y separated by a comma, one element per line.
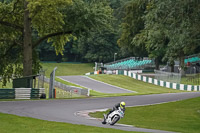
<point>113,117</point>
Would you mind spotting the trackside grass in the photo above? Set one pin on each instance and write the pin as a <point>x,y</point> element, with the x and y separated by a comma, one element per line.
<point>17,124</point>
<point>182,116</point>
<point>127,83</point>
<point>132,84</point>
<point>8,85</point>
<point>64,69</point>
<point>92,93</point>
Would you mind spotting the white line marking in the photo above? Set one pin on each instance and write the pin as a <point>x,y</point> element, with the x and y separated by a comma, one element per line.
<point>85,113</point>
<point>110,85</point>
<point>76,84</point>
<point>96,81</point>
<point>67,81</point>
<point>124,125</point>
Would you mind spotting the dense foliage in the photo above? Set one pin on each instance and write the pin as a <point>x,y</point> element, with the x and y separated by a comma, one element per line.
<point>25,24</point>
<point>166,29</point>
<point>99,45</point>
<point>89,30</point>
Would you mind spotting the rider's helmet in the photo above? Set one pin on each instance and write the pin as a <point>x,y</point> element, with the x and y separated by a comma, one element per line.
<point>122,105</point>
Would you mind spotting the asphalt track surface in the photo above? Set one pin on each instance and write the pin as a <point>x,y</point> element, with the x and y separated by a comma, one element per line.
<point>89,83</point>
<point>68,110</point>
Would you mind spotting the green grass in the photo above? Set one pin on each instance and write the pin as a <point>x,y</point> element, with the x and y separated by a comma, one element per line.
<point>8,85</point>
<point>191,79</point>
<point>127,83</point>
<point>17,124</point>
<point>64,69</point>
<point>182,116</point>
<point>132,84</point>
<point>92,92</point>
<point>67,83</point>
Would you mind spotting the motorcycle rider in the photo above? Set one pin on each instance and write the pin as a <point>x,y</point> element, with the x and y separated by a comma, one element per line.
<point>121,105</point>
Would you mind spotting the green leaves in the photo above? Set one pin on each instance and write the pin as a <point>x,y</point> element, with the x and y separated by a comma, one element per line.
<point>60,41</point>
<point>98,46</point>
<point>132,26</point>
<point>47,15</point>
<point>83,17</point>
<point>57,21</point>
<point>166,28</point>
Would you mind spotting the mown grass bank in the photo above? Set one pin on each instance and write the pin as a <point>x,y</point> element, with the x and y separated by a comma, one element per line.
<point>141,88</point>
<point>17,124</point>
<point>182,116</point>
<point>131,84</point>
<point>64,69</point>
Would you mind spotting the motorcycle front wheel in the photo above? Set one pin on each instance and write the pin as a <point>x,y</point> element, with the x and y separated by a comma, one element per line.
<point>114,119</point>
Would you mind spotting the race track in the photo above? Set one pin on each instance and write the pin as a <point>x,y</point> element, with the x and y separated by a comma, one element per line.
<point>66,110</point>
<point>98,86</point>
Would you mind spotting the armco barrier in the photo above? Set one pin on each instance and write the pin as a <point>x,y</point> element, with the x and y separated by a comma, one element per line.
<point>159,82</point>
<point>21,93</point>
<point>7,93</point>
<point>37,93</point>
<point>72,89</point>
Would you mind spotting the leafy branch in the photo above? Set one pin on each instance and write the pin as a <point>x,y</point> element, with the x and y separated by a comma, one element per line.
<point>11,25</point>
<point>50,35</point>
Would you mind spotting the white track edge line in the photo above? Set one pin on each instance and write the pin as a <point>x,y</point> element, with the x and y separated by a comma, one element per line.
<point>110,85</point>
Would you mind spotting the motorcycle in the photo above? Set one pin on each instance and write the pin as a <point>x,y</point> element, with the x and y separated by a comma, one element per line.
<point>113,117</point>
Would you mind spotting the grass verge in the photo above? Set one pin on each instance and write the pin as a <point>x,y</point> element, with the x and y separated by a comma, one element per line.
<point>8,85</point>
<point>132,84</point>
<point>64,69</point>
<point>125,82</point>
<point>191,79</point>
<point>182,116</point>
<point>92,92</point>
<point>17,124</point>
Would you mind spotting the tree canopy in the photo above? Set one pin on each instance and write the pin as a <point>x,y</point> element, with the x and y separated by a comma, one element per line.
<point>89,30</point>
<point>166,29</point>
<point>24,24</point>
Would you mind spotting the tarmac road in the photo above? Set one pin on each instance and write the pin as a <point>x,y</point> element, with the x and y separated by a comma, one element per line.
<point>89,83</point>
<point>66,110</point>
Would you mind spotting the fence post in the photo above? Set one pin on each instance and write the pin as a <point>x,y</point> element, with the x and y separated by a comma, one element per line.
<point>51,83</point>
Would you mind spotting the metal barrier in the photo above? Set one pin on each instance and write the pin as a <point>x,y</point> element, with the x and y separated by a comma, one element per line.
<point>168,76</point>
<point>22,93</point>
<point>7,93</point>
<point>28,93</point>
<point>71,89</point>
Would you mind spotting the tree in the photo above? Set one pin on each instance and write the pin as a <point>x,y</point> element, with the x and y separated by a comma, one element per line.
<point>167,29</point>
<point>178,24</point>
<point>24,24</point>
<point>132,24</point>
<point>99,47</point>
<point>70,53</point>
<point>153,35</point>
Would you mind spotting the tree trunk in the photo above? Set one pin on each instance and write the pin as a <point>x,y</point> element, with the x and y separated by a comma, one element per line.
<point>157,64</point>
<point>172,66</point>
<point>182,64</point>
<point>27,48</point>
